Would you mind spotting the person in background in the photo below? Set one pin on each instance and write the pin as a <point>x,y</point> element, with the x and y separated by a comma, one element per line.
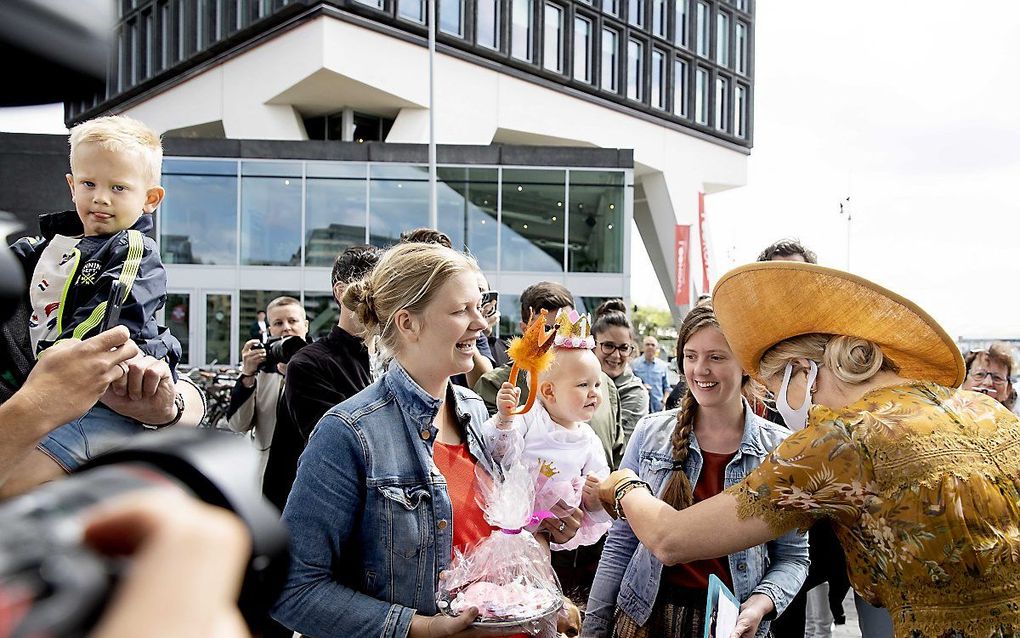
<point>259,329</point>
<point>653,372</point>
<point>321,375</point>
<point>688,456</point>
<point>614,336</point>
<point>256,395</point>
<point>788,250</point>
<point>990,371</point>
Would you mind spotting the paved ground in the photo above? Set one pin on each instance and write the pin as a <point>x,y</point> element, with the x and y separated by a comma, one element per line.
<point>850,629</point>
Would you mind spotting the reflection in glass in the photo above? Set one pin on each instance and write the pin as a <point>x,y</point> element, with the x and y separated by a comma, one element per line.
<point>722,39</point>
<point>520,30</point>
<point>659,12</point>
<point>658,79</point>
<point>509,315</point>
<point>740,110</point>
<point>582,49</point>
<point>251,302</point>
<point>532,232</point>
<point>636,12</point>
<point>611,7</point>
<point>178,316</point>
<point>680,23</point>
<point>335,209</point>
<point>722,120</point>
<point>610,48</point>
<point>487,29</point>
<point>552,54</point>
<point>596,222</point>
<point>398,201</point>
<point>451,16</point>
<point>271,214</point>
<point>703,18</point>
<point>323,313</point>
<point>701,96</point>
<point>412,10</point>
<point>635,70</point>
<point>466,200</point>
<point>198,218</point>
<point>680,87</point>
<point>217,329</point>
<point>741,46</point>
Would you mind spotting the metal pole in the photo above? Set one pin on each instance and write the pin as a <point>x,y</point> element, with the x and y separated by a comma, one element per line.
<point>433,210</point>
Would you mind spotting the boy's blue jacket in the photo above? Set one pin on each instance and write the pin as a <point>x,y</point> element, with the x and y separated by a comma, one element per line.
<point>100,262</point>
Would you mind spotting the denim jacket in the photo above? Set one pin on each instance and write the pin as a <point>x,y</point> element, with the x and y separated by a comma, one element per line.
<point>369,515</point>
<point>629,574</point>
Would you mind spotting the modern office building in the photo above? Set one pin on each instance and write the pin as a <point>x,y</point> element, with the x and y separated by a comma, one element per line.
<point>295,129</point>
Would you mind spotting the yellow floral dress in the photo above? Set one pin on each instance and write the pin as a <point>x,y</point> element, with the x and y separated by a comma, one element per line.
<point>923,485</point>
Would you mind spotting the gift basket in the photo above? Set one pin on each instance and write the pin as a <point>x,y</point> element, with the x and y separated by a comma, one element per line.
<point>506,575</point>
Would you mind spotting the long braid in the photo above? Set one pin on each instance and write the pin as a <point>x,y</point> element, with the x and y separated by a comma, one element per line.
<point>679,493</point>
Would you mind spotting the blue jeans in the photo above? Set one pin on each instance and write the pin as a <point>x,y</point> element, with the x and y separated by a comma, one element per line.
<point>97,431</point>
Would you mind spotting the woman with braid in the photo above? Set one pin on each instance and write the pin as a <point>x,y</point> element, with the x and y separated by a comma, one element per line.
<point>688,455</point>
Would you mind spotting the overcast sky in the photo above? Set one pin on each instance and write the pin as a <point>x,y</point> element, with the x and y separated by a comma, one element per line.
<point>909,108</point>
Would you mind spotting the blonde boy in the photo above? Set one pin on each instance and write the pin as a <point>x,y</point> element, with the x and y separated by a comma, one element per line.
<point>114,181</point>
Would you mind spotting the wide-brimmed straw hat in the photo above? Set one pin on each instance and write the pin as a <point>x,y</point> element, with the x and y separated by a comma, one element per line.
<point>761,304</point>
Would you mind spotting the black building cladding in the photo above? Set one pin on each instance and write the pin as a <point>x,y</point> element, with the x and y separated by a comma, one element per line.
<point>686,63</point>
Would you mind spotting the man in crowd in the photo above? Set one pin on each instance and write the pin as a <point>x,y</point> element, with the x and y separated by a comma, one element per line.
<point>654,372</point>
<point>259,329</point>
<point>320,376</point>
<point>254,398</point>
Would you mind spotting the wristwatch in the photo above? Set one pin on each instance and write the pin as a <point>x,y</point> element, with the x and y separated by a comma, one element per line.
<point>179,404</point>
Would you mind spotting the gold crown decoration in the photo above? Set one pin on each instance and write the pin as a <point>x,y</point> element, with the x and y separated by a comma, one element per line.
<point>574,330</point>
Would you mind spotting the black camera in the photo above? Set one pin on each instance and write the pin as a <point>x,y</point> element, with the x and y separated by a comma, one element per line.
<point>280,350</point>
<point>53,585</point>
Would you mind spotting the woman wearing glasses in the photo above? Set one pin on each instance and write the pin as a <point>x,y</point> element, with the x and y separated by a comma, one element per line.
<point>614,335</point>
<point>990,371</point>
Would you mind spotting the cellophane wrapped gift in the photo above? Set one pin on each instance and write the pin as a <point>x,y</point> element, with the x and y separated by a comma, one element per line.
<point>507,575</point>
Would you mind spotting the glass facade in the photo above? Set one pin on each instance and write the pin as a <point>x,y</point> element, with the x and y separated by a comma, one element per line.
<point>658,79</point>
<point>701,96</point>
<point>198,222</point>
<point>270,203</point>
<point>635,70</point>
<point>553,40</point>
<point>680,83</point>
<point>583,49</point>
<point>610,67</point>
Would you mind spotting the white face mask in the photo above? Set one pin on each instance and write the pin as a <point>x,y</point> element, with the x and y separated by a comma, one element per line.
<point>795,419</point>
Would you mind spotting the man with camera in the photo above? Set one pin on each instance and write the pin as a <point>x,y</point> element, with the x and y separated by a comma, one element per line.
<point>322,375</point>
<point>254,398</point>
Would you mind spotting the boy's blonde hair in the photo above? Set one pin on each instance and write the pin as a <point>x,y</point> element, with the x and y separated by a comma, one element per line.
<point>122,134</point>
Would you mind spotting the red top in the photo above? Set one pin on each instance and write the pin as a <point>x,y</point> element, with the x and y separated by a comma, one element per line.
<point>694,575</point>
<point>457,465</point>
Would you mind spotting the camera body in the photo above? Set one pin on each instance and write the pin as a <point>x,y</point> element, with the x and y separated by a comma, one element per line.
<point>51,584</point>
<point>280,350</point>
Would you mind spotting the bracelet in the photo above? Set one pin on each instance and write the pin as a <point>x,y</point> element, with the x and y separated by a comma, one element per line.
<point>623,490</point>
<point>179,404</point>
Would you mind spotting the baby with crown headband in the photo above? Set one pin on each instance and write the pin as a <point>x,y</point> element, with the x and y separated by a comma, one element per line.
<point>554,435</point>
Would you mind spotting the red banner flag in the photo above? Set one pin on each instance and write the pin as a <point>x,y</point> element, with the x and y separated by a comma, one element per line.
<point>704,243</point>
<point>683,270</point>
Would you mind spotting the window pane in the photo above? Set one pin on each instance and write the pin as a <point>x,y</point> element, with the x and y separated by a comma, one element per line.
<point>532,233</point>
<point>334,212</point>
<point>658,79</point>
<point>722,39</point>
<point>659,12</point>
<point>217,329</point>
<point>596,221</point>
<point>271,214</point>
<point>740,110</point>
<point>610,69</point>
<point>701,97</point>
<point>703,17</point>
<point>398,201</point>
<point>509,315</point>
<point>323,313</point>
<point>553,51</point>
<point>741,46</point>
<point>378,4</point>
<point>467,199</point>
<point>680,88</point>
<point>635,70</point>
<point>198,222</point>
<point>636,12</point>
<point>178,317</point>
<point>487,33</point>
<point>520,36</point>
<point>611,7</point>
<point>680,23</point>
<point>451,16</point>
<point>582,49</point>
<point>412,10</point>
<point>251,302</point>
<point>722,120</point>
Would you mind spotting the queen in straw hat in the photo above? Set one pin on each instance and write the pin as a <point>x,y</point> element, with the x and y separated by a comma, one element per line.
<point>920,479</point>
